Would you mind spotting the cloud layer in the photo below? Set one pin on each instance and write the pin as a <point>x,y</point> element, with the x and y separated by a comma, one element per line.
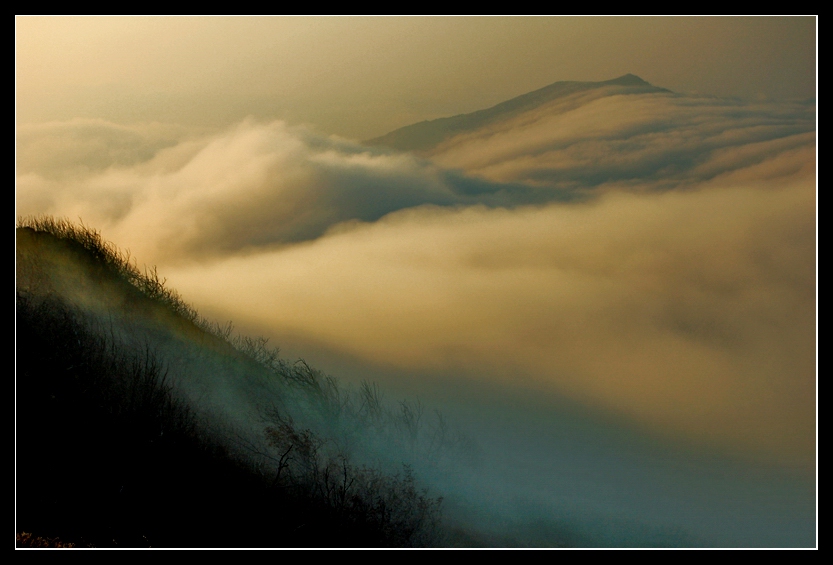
<point>650,254</point>
<point>251,186</point>
<point>693,312</point>
<point>659,140</point>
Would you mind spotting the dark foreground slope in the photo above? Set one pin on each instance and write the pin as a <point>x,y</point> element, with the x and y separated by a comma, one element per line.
<point>427,134</point>
<point>113,450</point>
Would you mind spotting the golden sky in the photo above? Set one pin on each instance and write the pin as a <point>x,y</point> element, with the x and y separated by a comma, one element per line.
<point>361,77</point>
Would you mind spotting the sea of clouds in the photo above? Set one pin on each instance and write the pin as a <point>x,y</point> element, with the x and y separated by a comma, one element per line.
<point>651,257</point>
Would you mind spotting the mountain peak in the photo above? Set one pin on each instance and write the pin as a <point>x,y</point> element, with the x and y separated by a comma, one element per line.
<point>628,80</point>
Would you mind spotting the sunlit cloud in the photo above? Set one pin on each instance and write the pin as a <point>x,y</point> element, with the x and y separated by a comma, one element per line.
<point>592,138</point>
<point>251,186</point>
<point>266,184</point>
<point>256,184</point>
<point>689,310</point>
<point>693,312</point>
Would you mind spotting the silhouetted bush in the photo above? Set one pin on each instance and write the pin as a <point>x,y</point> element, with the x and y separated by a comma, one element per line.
<point>389,507</point>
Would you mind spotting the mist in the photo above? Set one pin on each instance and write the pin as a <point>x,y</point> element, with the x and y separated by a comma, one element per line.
<point>612,294</point>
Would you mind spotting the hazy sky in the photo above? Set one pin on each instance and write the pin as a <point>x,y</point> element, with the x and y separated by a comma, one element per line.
<point>649,255</point>
<point>362,77</point>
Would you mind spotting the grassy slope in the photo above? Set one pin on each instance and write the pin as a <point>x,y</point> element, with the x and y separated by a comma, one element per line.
<point>112,451</point>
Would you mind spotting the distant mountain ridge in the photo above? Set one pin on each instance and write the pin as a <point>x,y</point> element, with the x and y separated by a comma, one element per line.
<point>429,133</point>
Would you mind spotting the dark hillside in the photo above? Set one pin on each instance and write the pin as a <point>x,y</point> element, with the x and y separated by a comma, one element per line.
<point>113,450</point>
